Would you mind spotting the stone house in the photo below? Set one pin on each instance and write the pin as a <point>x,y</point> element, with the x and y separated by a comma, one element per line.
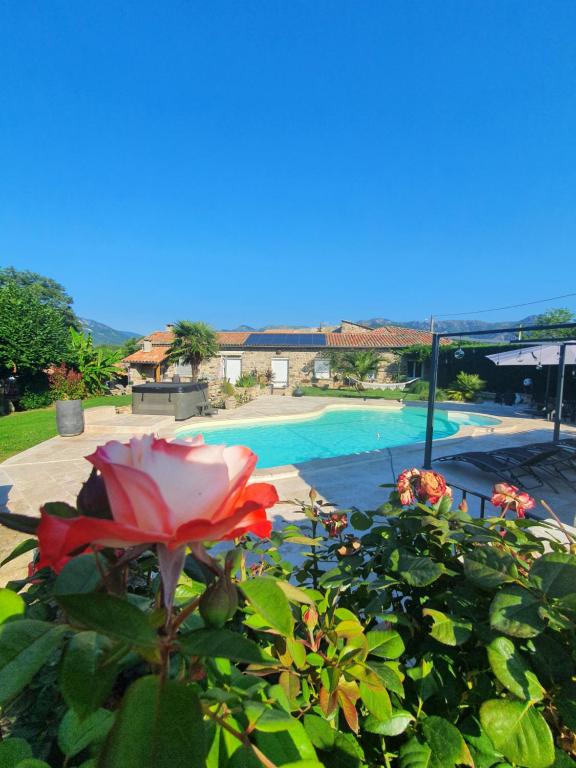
<point>286,357</point>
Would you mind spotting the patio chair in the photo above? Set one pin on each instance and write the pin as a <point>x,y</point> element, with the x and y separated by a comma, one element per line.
<point>509,467</point>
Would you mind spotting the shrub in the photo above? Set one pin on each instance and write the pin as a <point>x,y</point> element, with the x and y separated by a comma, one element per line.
<point>31,400</point>
<point>411,635</point>
<point>227,388</point>
<point>66,384</point>
<point>247,380</point>
<point>467,385</point>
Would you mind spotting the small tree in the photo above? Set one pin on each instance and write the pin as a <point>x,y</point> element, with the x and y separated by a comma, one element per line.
<point>97,365</point>
<point>552,317</point>
<point>193,343</point>
<point>357,365</point>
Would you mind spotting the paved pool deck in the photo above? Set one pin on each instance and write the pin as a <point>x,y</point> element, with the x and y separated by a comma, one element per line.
<point>54,470</point>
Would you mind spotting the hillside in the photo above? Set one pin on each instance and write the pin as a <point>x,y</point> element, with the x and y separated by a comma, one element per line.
<point>104,334</point>
<point>455,326</point>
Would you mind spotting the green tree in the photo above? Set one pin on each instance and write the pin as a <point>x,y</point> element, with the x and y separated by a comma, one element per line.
<point>129,347</point>
<point>193,343</point>
<point>33,333</point>
<point>96,364</point>
<point>49,291</point>
<point>356,364</point>
<point>553,316</point>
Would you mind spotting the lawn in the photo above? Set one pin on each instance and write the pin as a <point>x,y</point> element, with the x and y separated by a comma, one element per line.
<point>369,394</point>
<point>22,430</point>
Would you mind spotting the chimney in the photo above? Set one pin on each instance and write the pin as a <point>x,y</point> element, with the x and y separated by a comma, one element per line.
<point>169,326</point>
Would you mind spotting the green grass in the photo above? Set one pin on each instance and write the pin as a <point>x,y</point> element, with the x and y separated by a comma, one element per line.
<point>369,394</point>
<point>22,430</point>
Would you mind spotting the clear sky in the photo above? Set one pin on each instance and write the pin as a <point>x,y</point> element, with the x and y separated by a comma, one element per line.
<point>289,161</point>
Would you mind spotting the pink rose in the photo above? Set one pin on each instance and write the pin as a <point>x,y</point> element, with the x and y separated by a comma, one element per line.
<point>169,494</point>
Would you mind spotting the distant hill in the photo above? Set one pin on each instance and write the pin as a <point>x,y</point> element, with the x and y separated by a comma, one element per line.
<point>103,334</point>
<point>455,326</point>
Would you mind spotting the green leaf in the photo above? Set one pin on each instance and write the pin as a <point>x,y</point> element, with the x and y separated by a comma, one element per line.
<point>20,549</point>
<point>448,630</point>
<point>267,599</point>
<point>32,762</point>
<point>294,594</point>
<point>263,717</point>
<point>111,616</point>
<point>482,749</point>
<point>555,574</point>
<point>222,643</point>
<point>74,735</point>
<point>320,731</point>
<point>488,567</point>
<point>60,509</point>
<point>376,700</point>
<point>514,611</point>
<point>25,646</point>
<point>360,521</point>
<point>21,523</point>
<point>79,575</point>
<point>13,751</point>
<point>394,726</point>
<point>385,643</point>
<point>518,731</point>
<point>11,605</point>
<point>158,726</point>
<point>447,747</point>
<point>85,679</point>
<point>512,671</point>
<point>286,746</point>
<point>414,754</point>
<point>418,571</point>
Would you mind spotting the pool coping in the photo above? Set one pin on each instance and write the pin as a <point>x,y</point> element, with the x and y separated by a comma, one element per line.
<point>282,471</point>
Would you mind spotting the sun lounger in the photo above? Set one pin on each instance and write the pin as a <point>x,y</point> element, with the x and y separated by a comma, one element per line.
<point>510,467</point>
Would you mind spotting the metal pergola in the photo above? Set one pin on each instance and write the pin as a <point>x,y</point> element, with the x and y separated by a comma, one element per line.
<point>436,339</point>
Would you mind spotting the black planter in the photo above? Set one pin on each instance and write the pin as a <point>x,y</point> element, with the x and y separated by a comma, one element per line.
<point>69,417</point>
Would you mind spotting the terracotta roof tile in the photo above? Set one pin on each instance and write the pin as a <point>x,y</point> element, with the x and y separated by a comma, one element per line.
<point>156,355</point>
<point>232,337</point>
<point>160,337</point>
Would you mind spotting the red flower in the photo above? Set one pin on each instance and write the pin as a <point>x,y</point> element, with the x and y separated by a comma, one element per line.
<point>170,494</point>
<point>335,523</point>
<point>508,496</point>
<point>406,484</point>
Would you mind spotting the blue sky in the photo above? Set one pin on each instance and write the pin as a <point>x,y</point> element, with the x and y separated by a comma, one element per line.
<point>290,161</point>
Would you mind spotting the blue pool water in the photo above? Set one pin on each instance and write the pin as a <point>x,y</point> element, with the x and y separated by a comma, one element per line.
<point>337,433</point>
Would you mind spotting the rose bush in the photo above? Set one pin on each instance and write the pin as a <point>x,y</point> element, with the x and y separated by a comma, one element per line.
<point>412,635</point>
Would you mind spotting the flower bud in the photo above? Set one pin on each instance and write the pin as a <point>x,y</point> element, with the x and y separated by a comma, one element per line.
<point>463,506</point>
<point>310,617</point>
<point>219,603</point>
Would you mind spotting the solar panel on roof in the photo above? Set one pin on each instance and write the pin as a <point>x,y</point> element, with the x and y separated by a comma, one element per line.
<point>286,340</point>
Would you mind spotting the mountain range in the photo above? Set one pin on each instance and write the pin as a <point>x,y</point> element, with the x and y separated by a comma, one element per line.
<point>104,334</point>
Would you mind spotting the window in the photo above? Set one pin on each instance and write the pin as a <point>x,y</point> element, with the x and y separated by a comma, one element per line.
<point>321,368</point>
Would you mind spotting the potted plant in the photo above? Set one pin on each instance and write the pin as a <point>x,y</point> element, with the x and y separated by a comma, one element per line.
<point>67,389</point>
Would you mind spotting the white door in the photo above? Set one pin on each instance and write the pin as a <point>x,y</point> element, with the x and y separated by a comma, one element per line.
<point>232,369</point>
<point>279,372</point>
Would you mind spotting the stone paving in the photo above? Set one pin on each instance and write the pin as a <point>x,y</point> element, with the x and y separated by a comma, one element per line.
<point>54,470</point>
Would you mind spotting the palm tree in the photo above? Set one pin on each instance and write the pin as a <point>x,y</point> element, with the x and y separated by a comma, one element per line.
<point>193,343</point>
<point>356,364</point>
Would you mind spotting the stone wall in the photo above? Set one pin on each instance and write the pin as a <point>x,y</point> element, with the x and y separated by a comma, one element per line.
<point>300,367</point>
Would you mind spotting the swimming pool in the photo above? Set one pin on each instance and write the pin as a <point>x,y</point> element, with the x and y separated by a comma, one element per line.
<point>336,432</point>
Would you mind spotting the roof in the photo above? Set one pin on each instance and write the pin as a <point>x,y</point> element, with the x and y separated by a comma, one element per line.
<point>385,337</point>
<point>156,355</point>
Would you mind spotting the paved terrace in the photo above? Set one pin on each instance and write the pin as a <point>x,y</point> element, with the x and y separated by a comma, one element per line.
<point>55,469</point>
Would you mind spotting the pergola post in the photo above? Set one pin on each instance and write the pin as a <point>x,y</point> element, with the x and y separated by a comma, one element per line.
<point>431,401</point>
<point>559,392</point>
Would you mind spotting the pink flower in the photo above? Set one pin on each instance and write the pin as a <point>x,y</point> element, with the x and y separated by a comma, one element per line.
<point>422,485</point>
<point>169,494</point>
<point>508,496</point>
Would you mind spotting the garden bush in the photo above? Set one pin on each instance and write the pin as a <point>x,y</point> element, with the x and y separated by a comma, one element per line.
<point>411,635</point>
<point>31,400</point>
